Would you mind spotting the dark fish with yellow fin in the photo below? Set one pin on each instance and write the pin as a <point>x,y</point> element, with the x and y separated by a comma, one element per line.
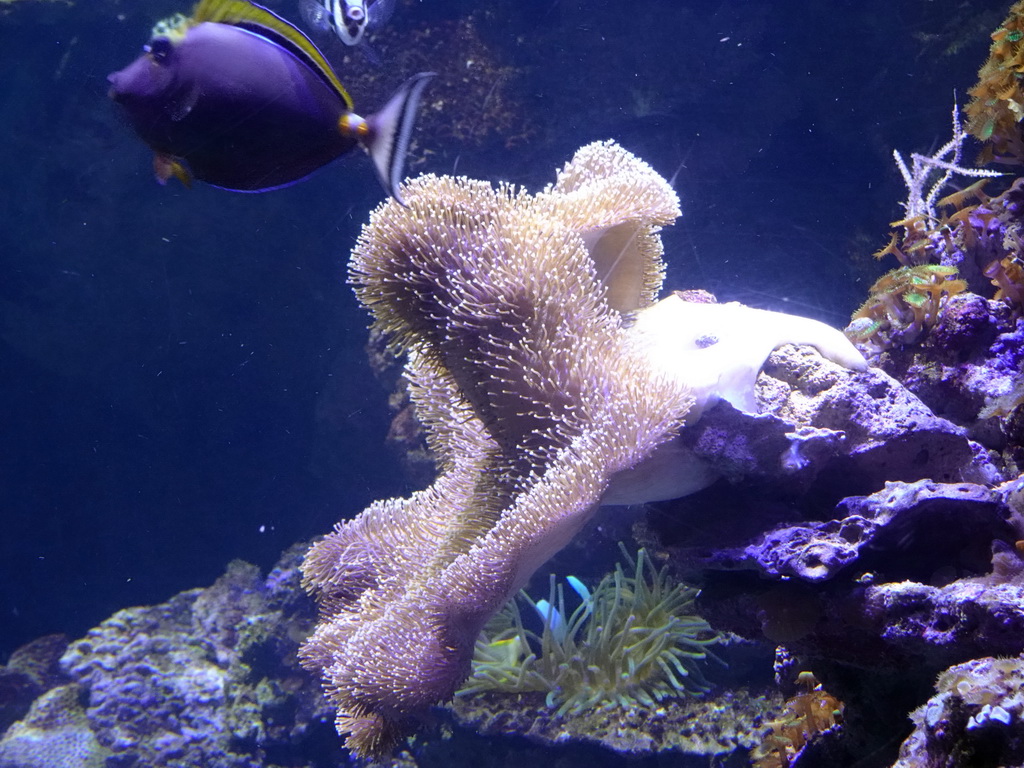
<point>237,97</point>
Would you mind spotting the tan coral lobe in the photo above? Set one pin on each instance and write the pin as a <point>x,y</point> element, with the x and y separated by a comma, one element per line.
<point>510,308</point>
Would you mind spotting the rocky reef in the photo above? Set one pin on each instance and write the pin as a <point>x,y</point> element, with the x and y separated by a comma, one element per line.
<point>861,527</point>
<point>879,558</point>
<point>872,539</point>
<point>208,678</point>
<point>853,530</point>
<point>858,547</point>
<point>859,535</point>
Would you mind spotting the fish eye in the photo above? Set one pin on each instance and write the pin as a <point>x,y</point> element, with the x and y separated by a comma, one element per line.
<point>159,48</point>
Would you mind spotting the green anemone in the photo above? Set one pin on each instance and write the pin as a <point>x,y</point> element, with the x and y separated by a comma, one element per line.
<point>632,641</point>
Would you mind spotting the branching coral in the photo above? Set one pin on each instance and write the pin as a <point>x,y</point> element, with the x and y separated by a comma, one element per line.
<point>633,640</point>
<point>535,389</point>
<point>936,236</point>
<point>926,176</point>
<point>982,239</point>
<point>924,233</point>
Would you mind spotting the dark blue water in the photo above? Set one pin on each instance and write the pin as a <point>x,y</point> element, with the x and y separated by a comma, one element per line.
<point>182,372</point>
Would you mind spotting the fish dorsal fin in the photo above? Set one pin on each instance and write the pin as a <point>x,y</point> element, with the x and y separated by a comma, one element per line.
<point>255,18</point>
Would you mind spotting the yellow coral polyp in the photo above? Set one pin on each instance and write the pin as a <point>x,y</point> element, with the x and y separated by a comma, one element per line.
<point>1007,275</point>
<point>902,305</point>
<point>997,101</point>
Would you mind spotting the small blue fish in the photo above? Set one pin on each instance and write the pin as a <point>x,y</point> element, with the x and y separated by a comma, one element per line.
<point>554,618</point>
<point>348,19</point>
<point>237,97</point>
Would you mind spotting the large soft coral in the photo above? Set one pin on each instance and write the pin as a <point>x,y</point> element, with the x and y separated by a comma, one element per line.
<point>532,397</point>
<point>541,371</point>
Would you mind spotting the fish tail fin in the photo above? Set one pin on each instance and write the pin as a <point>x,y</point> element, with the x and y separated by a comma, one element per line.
<point>166,167</point>
<point>387,140</point>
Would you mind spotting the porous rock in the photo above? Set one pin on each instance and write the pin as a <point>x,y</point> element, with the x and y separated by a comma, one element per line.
<point>55,732</point>
<point>31,670</point>
<point>890,433</point>
<point>904,530</point>
<point>209,678</point>
<point>976,717</point>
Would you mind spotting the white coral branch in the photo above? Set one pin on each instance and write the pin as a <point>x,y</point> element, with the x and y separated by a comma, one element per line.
<point>946,158</point>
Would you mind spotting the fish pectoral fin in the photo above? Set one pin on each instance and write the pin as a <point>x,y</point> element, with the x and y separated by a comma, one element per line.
<point>370,54</point>
<point>379,12</point>
<point>387,141</point>
<point>166,167</point>
<point>315,15</point>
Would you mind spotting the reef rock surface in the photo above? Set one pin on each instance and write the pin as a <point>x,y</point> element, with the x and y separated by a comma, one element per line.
<point>208,678</point>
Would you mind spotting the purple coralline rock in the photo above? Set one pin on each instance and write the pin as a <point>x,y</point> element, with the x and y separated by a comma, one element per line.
<point>209,678</point>
<point>874,540</point>
<point>937,626</point>
<point>973,357</point>
<point>906,527</point>
<point>827,426</point>
<point>923,573</point>
<point>967,325</point>
<point>976,718</point>
<point>824,434</point>
<point>890,434</point>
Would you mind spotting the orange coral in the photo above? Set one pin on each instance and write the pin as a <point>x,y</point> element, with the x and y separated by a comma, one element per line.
<point>997,101</point>
<point>1007,275</point>
<point>926,237</point>
<point>804,717</point>
<point>973,191</point>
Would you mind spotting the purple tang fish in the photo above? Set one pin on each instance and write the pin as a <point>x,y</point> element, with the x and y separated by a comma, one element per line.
<point>239,98</point>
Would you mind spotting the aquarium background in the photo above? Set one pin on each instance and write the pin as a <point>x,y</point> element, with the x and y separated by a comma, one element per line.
<point>183,375</point>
